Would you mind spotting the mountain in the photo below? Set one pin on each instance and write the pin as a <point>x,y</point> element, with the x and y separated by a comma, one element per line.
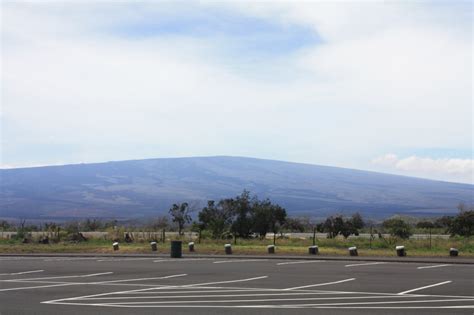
<point>144,188</point>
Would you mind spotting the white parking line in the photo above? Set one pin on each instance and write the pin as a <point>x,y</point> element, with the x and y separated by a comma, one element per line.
<point>140,279</point>
<point>319,284</point>
<point>71,258</point>
<point>382,302</point>
<point>255,300</point>
<point>237,261</point>
<point>366,264</point>
<point>20,273</point>
<point>299,262</point>
<point>425,287</point>
<point>61,301</point>
<point>124,259</point>
<point>38,287</point>
<point>220,282</point>
<point>434,266</point>
<point>181,260</point>
<point>60,277</point>
<point>249,295</point>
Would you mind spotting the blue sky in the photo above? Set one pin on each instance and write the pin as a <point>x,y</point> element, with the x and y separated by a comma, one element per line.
<point>383,86</point>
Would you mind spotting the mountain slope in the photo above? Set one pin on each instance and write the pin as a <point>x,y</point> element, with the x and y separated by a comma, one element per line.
<point>148,187</point>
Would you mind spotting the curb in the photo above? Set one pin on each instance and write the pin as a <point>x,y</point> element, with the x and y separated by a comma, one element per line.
<point>468,261</point>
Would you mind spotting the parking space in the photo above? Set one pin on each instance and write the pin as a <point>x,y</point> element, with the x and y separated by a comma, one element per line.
<point>212,285</point>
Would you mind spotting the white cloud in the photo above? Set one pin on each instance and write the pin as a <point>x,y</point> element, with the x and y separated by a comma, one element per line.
<point>384,74</point>
<point>449,169</point>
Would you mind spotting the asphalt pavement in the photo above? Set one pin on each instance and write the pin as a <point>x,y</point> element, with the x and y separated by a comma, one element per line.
<point>236,285</point>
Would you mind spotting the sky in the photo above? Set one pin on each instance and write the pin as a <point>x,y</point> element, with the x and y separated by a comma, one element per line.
<point>375,85</point>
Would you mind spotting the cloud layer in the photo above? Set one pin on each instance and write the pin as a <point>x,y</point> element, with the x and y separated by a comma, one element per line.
<point>325,83</point>
<point>441,169</point>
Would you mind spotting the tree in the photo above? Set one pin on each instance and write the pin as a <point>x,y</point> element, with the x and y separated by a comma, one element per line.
<point>216,218</point>
<point>241,208</point>
<point>425,225</point>
<point>462,224</point>
<point>398,227</point>
<point>267,217</point>
<point>180,215</point>
<point>294,225</point>
<point>329,227</point>
<point>357,221</point>
<point>444,222</point>
<point>334,226</point>
<point>92,225</point>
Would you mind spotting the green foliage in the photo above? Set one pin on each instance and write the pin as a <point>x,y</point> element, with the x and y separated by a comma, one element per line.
<point>425,225</point>
<point>91,225</point>
<point>242,209</point>
<point>217,218</point>
<point>267,217</point>
<point>242,216</point>
<point>294,225</point>
<point>335,225</point>
<point>462,224</point>
<point>398,227</point>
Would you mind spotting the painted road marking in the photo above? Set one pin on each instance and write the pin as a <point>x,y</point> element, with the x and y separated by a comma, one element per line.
<point>251,295</point>
<point>38,287</point>
<point>257,300</point>
<point>237,261</point>
<point>181,260</point>
<point>61,277</point>
<point>125,259</point>
<point>220,282</point>
<point>59,301</point>
<point>381,302</point>
<point>298,262</point>
<point>366,264</point>
<point>20,273</point>
<point>319,284</point>
<point>140,279</point>
<point>425,287</point>
<point>434,266</point>
<point>71,258</point>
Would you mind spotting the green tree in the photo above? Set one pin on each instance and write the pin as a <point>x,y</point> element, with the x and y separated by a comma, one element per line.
<point>443,222</point>
<point>241,208</point>
<point>335,225</point>
<point>462,224</point>
<point>294,225</point>
<point>216,218</point>
<point>180,215</point>
<point>398,227</point>
<point>92,225</point>
<point>267,217</point>
<point>425,225</point>
<point>357,221</point>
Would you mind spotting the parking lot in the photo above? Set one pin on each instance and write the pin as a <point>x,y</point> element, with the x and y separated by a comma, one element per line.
<point>148,285</point>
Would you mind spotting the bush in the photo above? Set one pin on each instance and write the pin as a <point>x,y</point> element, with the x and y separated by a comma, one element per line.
<point>398,227</point>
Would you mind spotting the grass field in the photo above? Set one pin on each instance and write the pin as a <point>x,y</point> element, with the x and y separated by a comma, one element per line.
<point>338,246</point>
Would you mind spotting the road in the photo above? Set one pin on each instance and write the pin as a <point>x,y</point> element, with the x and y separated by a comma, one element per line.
<point>149,285</point>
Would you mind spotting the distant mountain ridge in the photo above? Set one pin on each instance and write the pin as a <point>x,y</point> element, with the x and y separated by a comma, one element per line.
<point>141,188</point>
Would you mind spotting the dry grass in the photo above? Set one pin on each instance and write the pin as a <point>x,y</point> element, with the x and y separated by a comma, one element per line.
<point>327,247</point>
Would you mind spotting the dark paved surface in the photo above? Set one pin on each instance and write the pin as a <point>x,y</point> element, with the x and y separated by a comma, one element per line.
<point>154,285</point>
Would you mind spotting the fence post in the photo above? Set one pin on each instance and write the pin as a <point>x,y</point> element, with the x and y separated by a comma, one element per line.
<point>430,238</point>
